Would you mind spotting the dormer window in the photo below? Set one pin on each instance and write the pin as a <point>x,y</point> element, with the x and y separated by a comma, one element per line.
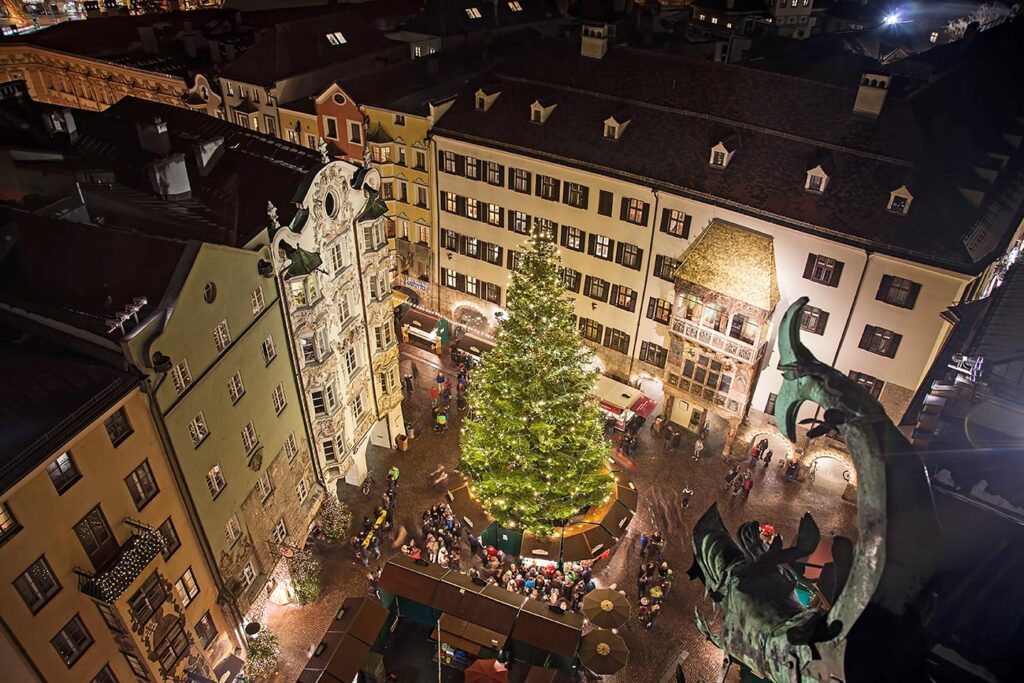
<point>718,158</point>
<point>899,201</point>
<point>336,38</point>
<point>485,97</point>
<point>721,153</point>
<point>481,103</point>
<point>515,7</point>
<point>540,110</point>
<point>611,131</point>
<point>817,180</point>
<point>615,125</point>
<point>473,13</point>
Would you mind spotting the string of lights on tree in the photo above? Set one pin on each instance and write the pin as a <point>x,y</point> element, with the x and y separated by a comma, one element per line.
<point>535,449</point>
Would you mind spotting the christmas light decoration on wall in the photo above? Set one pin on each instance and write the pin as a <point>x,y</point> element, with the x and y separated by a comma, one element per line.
<point>138,553</point>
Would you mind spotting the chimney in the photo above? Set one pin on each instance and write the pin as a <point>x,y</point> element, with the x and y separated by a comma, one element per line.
<point>169,177</point>
<point>871,94</point>
<point>594,40</point>
<point>214,51</point>
<point>206,153</point>
<point>147,34</point>
<point>153,136</point>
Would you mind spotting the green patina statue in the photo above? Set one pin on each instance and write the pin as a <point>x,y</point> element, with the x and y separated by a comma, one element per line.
<point>873,630</point>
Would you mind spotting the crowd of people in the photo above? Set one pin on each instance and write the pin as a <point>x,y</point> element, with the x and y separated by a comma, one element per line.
<point>543,581</point>
<point>367,542</point>
<point>442,536</point>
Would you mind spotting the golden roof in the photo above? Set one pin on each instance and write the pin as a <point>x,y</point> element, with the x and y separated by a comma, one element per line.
<point>734,261</point>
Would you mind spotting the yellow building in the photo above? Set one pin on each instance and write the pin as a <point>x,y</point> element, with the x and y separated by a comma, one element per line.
<point>101,575</point>
<point>298,123</point>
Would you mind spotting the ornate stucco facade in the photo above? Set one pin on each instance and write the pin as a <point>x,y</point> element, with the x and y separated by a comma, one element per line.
<point>333,264</point>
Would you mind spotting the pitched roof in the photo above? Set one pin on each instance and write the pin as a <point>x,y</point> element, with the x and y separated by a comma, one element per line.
<point>48,395</point>
<point>780,121</point>
<point>300,47</point>
<point>720,252</point>
<point>459,17</point>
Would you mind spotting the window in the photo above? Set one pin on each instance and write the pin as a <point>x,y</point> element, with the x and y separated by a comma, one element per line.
<point>118,427</point>
<point>269,352</point>
<point>221,336</point>
<point>629,255</point>
<point>634,211</point>
<point>171,540</point>
<point>492,253</point>
<point>743,328</point>
<point>279,399</point>
<point>653,354</point>
<point>814,182</point>
<point>472,208</point>
<point>518,222</point>
<point>713,316</point>
<point>420,160</point>
<point>898,291</point>
<point>187,587</point>
<point>472,168</point>
<point>880,340</point>
<point>623,297</point>
<point>513,259</point>
<point>248,574</point>
<point>291,447</point>
<point>546,228</point>
<point>616,339</point>
<point>448,162</point>
<point>324,401</point>
<point>399,120</point>
<point>145,601</point>
<point>491,292</point>
<point>573,238</point>
<point>934,37</point>
<point>611,131</point>
<point>769,405</point>
<point>110,617</point>
<point>814,320</point>
<point>570,279</point>
<point>718,158</point>
<point>336,38</point>
<point>181,377</point>
<point>604,203</point>
<point>665,267</point>
<point>380,154</point>
<point>515,6</point>
<point>72,641</point>
<point>591,329</point>
<point>37,584</point>
<point>215,481</point>
<point>232,530</point>
<point>302,488</point>
<point>355,133</point>
<point>136,666</point>
<point>172,647</point>
<point>596,288</point>
<point>330,452</point>
<point>280,533</point>
<point>473,13</point>
<point>332,127</point>
<point>104,676</point>
<point>823,270</point>
<point>675,223</point>
<point>384,335</point>
<point>659,310</point>
<point>206,630</point>
<point>576,195</point>
<point>547,187</point>
<point>141,485</point>
<point>197,429</point>
<point>8,524</point>
<point>519,180</point>
<point>236,389</point>
<point>472,285</point>
<point>495,174</point>
<point>250,440</point>
<point>94,534</point>
<point>450,202</point>
<point>264,486</point>
<point>63,472</point>
<point>873,385</point>
<point>601,247</point>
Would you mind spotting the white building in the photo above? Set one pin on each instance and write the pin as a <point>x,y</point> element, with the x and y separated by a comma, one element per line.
<point>333,262</point>
<point>627,173</point>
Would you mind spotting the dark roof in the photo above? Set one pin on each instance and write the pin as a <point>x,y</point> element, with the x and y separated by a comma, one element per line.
<point>300,47</point>
<point>733,6</point>
<point>451,17</point>
<point>780,122</point>
<point>47,396</point>
<point>94,274</point>
<point>371,11</point>
<point>306,105</point>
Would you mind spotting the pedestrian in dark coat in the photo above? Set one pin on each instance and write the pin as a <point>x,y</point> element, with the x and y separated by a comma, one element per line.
<point>767,459</point>
<point>748,484</point>
<point>643,543</point>
<point>669,433</point>
<point>753,458</point>
<point>687,494</point>
<point>677,438</point>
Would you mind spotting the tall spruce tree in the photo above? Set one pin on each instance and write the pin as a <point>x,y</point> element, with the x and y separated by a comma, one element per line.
<point>534,447</point>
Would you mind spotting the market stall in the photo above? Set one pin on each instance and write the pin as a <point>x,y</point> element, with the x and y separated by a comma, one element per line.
<point>619,400</point>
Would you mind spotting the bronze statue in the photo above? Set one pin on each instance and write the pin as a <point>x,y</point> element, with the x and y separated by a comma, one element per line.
<point>874,629</point>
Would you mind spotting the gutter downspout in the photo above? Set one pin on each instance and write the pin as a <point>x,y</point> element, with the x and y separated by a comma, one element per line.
<point>190,508</point>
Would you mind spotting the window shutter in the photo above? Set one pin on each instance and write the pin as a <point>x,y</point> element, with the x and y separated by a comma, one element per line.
<point>647,213</point>
<point>460,165</point>
<point>652,304</point>
<point>618,253</point>
<point>686,225</point>
<point>615,294</point>
<point>836,274</point>
<point>511,176</point>
<point>623,209</point>
<point>501,251</point>
<point>481,213</point>
<point>883,288</point>
<point>604,203</point>
<point>558,184</point>
<point>586,197</point>
<point>894,345</point>
<point>462,244</point>
<point>536,184</point>
<point>639,259</point>
<point>809,266</point>
<point>865,338</point>
<point>586,285</point>
<point>501,174</point>
<point>460,205</point>
<point>565,193</point>
<point>632,302</point>
<point>665,215</point>
<point>822,321</point>
<point>592,244</point>
<point>460,282</point>
<point>501,218</point>
<point>440,159</point>
<point>659,264</point>
<point>915,289</point>
<point>565,235</point>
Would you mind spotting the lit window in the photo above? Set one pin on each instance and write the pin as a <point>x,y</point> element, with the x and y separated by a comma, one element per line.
<point>222,336</point>
<point>714,20</point>
<point>181,377</point>
<point>235,387</point>
<point>197,429</point>
<point>257,300</point>
<point>934,37</point>
<point>473,13</point>
<point>187,587</point>
<point>280,532</point>
<point>232,530</point>
<point>63,472</point>
<point>8,524</point>
<point>279,399</point>
<point>249,437</point>
<point>248,574</point>
<point>215,481</point>
<point>336,38</point>
<point>515,7</point>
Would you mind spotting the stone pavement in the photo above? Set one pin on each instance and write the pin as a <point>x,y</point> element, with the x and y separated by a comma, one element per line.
<point>659,477</point>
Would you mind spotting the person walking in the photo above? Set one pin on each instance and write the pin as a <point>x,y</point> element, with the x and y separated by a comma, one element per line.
<point>687,494</point>
<point>439,381</point>
<point>748,484</point>
<point>677,440</point>
<point>698,448</point>
<point>754,456</point>
<point>730,475</point>
<point>407,380</point>
<point>415,371</point>
<point>643,543</point>
<point>767,459</point>
<point>433,397</point>
<point>667,441</point>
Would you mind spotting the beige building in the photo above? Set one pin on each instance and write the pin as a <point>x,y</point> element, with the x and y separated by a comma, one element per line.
<point>103,576</point>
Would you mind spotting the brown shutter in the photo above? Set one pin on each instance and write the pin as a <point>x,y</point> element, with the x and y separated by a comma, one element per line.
<point>558,184</point>
<point>565,193</point>
<point>652,304</point>
<point>536,184</point>
<point>586,285</point>
<point>915,289</point>
<point>883,288</point>
<point>565,235</point>
<point>894,345</point>
<point>501,174</point>
<point>586,197</point>
<point>592,244</point>
<point>511,175</point>
<point>647,213</point>
<point>836,274</point>
<point>865,338</point>
<point>665,214</point>
<point>822,321</point>
<point>623,208</point>
<point>809,266</point>
<point>460,282</point>
<point>460,165</point>
<point>639,259</point>
<point>614,294</point>
<point>686,225</point>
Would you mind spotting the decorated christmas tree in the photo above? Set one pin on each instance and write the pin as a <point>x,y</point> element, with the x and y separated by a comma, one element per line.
<point>534,448</point>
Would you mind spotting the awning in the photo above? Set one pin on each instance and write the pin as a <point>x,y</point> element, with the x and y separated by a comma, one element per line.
<point>398,298</point>
<point>615,396</point>
<point>554,632</point>
<point>473,346</point>
<point>402,576</point>
<point>343,649</point>
<point>468,636</point>
<point>467,509</point>
<point>420,322</point>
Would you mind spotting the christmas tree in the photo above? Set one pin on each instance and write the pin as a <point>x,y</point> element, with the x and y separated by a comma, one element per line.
<point>534,448</point>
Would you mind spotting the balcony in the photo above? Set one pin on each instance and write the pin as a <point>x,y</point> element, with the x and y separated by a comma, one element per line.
<point>137,552</point>
<point>740,350</point>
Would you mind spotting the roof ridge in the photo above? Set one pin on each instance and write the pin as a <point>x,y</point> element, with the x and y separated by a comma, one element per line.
<point>709,117</point>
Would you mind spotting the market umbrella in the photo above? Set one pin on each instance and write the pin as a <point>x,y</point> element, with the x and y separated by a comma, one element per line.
<point>486,671</point>
<point>606,608</point>
<point>603,652</point>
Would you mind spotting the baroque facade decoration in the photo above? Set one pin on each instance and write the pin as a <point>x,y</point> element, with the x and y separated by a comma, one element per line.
<point>333,264</point>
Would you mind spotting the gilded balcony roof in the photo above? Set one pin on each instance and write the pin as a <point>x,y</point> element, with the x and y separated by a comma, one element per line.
<point>734,261</point>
